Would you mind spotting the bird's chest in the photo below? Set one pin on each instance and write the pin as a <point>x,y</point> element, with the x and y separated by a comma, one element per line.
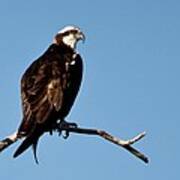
<point>70,69</point>
<point>70,63</point>
<point>64,65</point>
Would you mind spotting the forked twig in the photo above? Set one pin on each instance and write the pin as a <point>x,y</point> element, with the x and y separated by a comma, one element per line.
<point>126,144</point>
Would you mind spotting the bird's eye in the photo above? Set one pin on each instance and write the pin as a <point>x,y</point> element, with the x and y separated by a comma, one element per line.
<point>70,32</point>
<point>66,33</point>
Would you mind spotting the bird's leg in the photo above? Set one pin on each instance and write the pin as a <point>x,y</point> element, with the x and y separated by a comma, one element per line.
<point>64,124</point>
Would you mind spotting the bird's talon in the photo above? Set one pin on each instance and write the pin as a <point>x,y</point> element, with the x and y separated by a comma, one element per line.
<point>59,133</point>
<point>66,135</point>
<point>73,125</point>
<point>63,126</point>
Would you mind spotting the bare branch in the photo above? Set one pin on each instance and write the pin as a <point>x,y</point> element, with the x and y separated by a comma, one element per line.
<point>126,144</point>
<point>8,141</point>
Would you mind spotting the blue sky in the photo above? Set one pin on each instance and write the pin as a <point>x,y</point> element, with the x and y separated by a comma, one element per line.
<point>131,84</point>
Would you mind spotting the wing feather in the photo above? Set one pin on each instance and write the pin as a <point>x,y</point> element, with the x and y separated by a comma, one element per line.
<point>42,93</point>
<point>55,93</point>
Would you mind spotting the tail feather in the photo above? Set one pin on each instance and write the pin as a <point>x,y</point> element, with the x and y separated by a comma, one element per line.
<point>34,146</point>
<point>30,140</point>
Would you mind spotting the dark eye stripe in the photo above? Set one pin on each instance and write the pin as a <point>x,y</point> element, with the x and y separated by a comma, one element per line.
<point>70,32</point>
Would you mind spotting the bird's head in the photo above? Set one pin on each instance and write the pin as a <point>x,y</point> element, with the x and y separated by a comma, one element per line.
<point>69,35</point>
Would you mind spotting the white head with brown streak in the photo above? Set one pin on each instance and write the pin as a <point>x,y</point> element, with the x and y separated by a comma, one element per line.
<point>69,35</point>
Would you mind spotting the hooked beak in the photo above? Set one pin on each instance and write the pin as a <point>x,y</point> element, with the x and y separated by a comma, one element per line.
<point>81,36</point>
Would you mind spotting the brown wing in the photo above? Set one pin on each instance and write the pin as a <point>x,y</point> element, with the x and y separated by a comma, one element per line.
<point>41,91</point>
<point>42,95</point>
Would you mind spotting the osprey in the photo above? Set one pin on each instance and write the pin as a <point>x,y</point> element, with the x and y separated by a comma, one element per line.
<point>49,87</point>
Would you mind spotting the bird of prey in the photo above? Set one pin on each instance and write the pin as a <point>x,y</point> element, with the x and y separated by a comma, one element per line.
<point>49,87</point>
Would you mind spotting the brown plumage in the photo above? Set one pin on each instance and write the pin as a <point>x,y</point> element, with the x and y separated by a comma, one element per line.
<point>49,87</point>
